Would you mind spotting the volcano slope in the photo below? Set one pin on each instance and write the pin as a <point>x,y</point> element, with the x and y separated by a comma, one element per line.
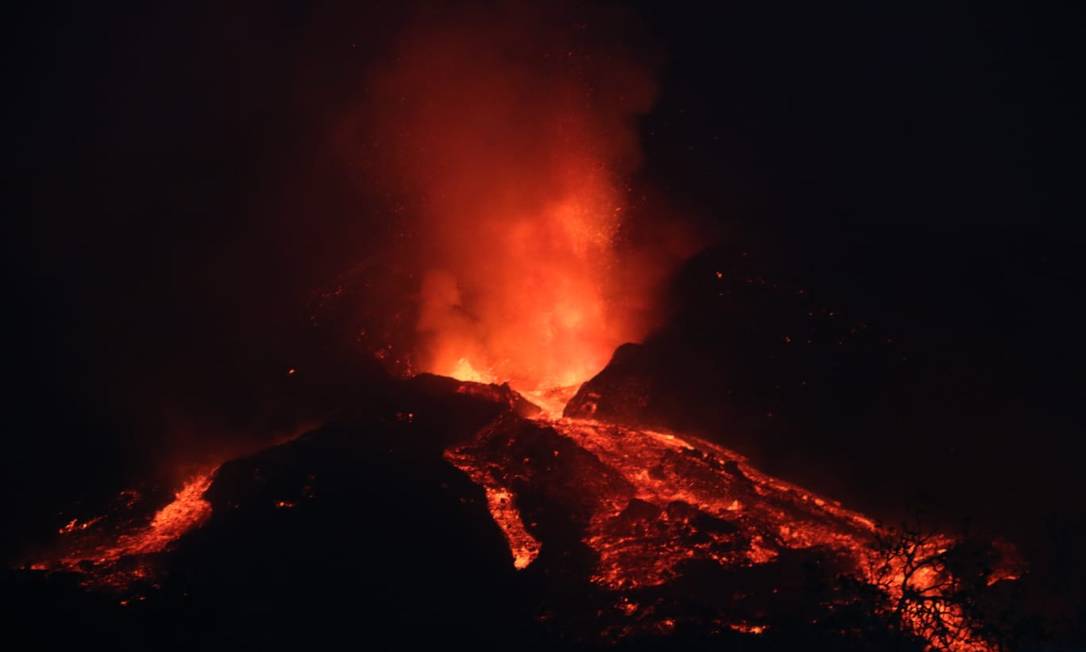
<point>437,512</point>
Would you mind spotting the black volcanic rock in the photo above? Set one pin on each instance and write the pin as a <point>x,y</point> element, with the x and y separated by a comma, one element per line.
<point>826,386</point>
<point>361,531</point>
<point>622,392</point>
<point>369,531</point>
<point>919,404</point>
<point>357,531</point>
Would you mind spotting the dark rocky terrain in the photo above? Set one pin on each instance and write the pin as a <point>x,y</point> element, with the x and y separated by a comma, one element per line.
<point>361,532</point>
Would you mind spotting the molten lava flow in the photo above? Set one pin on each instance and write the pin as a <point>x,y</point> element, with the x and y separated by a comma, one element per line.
<point>649,502</point>
<point>187,510</point>
<point>685,481</point>
<point>524,548</point>
<point>109,550</point>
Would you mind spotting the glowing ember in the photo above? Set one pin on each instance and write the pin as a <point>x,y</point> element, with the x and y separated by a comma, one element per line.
<point>75,526</point>
<point>747,628</point>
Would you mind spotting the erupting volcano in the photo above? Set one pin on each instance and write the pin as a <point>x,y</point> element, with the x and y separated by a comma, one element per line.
<point>554,411</point>
<point>512,139</point>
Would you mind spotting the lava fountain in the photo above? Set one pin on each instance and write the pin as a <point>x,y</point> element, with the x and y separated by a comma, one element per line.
<point>511,137</point>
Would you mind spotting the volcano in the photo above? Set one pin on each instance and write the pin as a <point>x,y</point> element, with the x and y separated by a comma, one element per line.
<point>444,511</point>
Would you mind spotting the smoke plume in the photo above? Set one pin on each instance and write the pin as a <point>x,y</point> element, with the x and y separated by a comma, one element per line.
<point>511,135</point>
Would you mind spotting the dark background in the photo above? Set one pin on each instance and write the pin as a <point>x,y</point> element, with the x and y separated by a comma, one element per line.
<point>177,205</point>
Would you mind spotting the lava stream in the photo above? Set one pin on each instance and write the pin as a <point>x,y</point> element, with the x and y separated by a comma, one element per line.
<point>110,551</point>
<point>656,500</point>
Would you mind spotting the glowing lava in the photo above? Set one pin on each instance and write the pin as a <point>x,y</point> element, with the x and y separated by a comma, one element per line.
<point>510,142</point>
<point>648,502</point>
<point>111,550</point>
<point>188,510</point>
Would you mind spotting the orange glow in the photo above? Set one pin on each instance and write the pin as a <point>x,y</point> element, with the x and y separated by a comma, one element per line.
<point>547,318</point>
<point>187,510</point>
<point>660,486</point>
<point>511,144</point>
<point>463,370</point>
<point>525,549</point>
<point>75,526</point>
<point>97,553</point>
<point>502,508</point>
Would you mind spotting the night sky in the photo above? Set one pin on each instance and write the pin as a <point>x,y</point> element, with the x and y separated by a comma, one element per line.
<point>178,205</point>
